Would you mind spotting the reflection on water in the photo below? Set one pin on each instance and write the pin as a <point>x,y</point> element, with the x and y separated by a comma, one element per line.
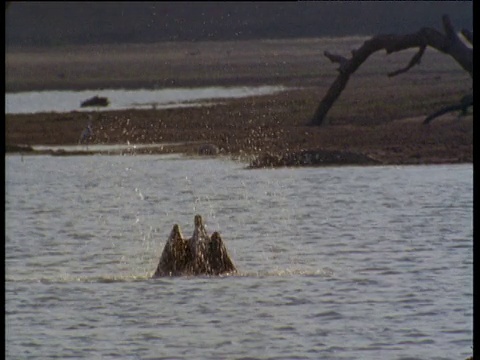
<point>66,101</point>
<point>334,263</point>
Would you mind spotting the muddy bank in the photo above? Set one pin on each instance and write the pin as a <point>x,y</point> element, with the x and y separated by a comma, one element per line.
<point>377,119</point>
<point>266,131</point>
<point>312,158</point>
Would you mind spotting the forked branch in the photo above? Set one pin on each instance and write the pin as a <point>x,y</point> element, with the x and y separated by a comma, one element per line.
<point>448,43</point>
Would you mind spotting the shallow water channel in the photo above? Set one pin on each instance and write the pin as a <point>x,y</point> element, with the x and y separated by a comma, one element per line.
<point>121,99</point>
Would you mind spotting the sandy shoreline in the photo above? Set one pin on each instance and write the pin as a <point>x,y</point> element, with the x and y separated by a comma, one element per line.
<point>242,130</point>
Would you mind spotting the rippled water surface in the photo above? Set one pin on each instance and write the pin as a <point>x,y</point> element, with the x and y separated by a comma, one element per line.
<point>334,263</point>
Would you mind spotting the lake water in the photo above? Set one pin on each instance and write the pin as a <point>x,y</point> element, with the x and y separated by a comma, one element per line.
<point>334,263</point>
<point>121,99</point>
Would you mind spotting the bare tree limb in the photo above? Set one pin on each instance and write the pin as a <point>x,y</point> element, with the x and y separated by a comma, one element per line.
<point>449,30</point>
<point>463,106</point>
<point>414,61</point>
<point>448,43</point>
<point>467,34</point>
<point>342,60</point>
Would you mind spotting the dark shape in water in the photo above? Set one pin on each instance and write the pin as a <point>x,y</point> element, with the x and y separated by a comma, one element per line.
<point>199,255</point>
<point>95,101</point>
<point>208,150</point>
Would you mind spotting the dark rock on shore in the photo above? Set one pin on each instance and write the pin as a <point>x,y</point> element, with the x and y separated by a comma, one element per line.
<point>96,101</point>
<point>208,150</point>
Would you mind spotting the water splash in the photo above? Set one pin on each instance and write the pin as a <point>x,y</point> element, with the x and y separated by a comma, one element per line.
<point>132,278</point>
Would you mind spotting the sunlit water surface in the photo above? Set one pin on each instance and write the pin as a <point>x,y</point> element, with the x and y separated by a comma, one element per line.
<point>121,99</point>
<point>334,263</point>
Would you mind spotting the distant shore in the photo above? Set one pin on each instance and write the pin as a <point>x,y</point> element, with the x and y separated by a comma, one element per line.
<point>241,129</point>
<point>377,120</point>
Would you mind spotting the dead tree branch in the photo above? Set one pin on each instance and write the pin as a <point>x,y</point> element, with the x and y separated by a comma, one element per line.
<point>467,34</point>
<point>414,61</point>
<point>448,43</point>
<point>463,106</point>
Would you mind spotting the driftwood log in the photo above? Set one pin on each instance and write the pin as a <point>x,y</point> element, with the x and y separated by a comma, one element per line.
<point>199,255</point>
<point>448,43</point>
